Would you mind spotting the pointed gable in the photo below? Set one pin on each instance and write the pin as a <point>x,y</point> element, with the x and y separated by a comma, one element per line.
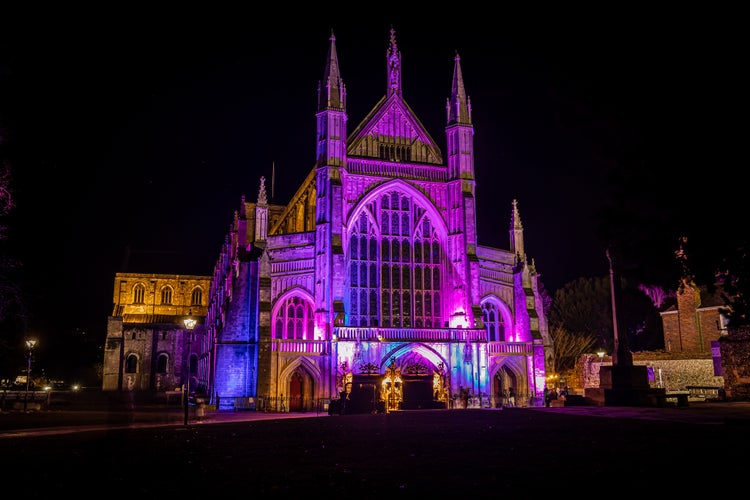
<point>392,132</point>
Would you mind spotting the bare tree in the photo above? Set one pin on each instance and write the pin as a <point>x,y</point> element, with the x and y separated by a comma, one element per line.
<point>569,347</point>
<point>12,308</point>
<point>657,294</point>
<point>6,196</point>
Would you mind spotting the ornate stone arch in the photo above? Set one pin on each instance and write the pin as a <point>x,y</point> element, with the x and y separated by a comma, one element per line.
<point>506,372</point>
<point>299,383</point>
<point>403,350</point>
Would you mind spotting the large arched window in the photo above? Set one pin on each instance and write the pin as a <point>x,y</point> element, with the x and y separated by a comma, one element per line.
<point>294,320</point>
<point>396,281</point>
<point>493,321</point>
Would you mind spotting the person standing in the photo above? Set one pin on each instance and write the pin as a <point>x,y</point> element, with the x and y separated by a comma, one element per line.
<point>511,397</point>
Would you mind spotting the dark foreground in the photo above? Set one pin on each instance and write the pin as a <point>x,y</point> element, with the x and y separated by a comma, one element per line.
<point>472,453</point>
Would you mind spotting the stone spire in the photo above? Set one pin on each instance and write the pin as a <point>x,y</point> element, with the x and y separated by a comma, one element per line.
<point>262,199</point>
<point>261,215</point>
<point>459,106</point>
<point>393,58</point>
<point>516,233</point>
<point>332,91</point>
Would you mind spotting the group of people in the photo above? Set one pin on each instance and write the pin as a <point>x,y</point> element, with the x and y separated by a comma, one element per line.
<point>552,394</point>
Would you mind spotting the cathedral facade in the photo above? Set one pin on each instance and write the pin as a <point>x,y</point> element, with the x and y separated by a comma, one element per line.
<point>370,286</point>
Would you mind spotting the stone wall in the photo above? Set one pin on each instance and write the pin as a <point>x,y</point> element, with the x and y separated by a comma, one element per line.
<point>670,374</point>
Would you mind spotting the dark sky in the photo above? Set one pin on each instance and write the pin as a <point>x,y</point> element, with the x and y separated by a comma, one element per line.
<point>144,131</point>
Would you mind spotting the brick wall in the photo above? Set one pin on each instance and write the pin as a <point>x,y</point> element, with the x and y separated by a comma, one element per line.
<point>693,325</point>
<point>687,302</point>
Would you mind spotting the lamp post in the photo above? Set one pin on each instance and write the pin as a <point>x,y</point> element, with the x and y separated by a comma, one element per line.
<point>30,344</point>
<point>189,325</point>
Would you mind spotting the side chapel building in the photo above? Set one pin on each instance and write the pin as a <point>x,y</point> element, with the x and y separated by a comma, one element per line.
<point>370,284</point>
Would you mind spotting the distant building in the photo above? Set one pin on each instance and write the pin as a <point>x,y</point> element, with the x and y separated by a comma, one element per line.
<point>370,284</point>
<point>694,321</point>
<point>147,346</point>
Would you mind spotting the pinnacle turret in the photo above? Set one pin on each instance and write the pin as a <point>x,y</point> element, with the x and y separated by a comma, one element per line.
<point>332,91</point>
<point>459,106</point>
<point>393,57</point>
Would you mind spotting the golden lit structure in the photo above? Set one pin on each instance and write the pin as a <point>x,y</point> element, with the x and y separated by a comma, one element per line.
<point>392,387</point>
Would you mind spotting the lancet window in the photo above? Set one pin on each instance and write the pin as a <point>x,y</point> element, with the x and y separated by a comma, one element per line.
<point>166,295</point>
<point>196,298</point>
<point>493,321</point>
<point>139,294</point>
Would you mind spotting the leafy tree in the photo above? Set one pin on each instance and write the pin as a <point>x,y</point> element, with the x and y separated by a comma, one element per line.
<point>731,278</point>
<point>734,276</point>
<point>583,307</point>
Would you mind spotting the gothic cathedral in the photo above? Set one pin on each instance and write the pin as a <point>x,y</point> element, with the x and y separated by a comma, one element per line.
<point>369,287</point>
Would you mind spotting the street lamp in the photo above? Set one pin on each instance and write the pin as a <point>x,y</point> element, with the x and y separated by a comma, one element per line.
<point>30,344</point>
<point>189,325</point>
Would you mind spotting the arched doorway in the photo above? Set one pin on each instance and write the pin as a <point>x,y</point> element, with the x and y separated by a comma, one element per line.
<point>497,389</point>
<point>503,380</point>
<point>296,392</point>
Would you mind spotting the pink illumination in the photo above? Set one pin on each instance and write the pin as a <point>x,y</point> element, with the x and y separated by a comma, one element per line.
<point>375,264</point>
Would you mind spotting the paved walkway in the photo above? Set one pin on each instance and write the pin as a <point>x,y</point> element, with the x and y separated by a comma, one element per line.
<point>46,423</point>
<point>406,454</point>
<point>18,424</point>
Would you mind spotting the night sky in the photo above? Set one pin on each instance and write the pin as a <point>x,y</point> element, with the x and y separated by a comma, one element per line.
<point>144,131</point>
